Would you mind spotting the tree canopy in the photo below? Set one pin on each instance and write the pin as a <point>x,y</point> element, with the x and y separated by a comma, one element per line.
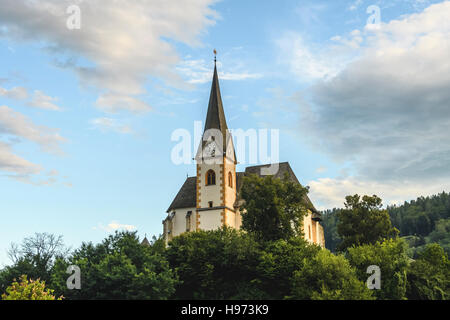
<point>363,222</point>
<point>273,208</point>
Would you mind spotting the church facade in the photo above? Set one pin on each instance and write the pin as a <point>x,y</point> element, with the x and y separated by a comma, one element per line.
<point>211,200</point>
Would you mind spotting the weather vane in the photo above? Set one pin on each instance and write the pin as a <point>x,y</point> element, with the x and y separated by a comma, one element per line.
<point>215,53</point>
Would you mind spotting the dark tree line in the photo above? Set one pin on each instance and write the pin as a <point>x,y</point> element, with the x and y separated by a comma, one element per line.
<point>241,264</point>
<point>422,221</point>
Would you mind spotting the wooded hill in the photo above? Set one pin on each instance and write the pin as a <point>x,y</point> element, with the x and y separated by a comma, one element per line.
<point>421,221</point>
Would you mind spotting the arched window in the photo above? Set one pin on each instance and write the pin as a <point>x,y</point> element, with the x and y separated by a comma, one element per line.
<point>230,179</point>
<point>210,178</point>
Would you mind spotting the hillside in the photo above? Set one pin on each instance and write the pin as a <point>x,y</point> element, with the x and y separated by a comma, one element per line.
<point>420,221</point>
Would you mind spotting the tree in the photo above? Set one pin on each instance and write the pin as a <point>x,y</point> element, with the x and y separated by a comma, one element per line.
<point>28,290</point>
<point>363,222</point>
<point>390,256</point>
<point>429,275</point>
<point>216,264</point>
<point>118,268</point>
<point>34,257</point>
<point>329,223</point>
<point>278,262</point>
<point>328,277</point>
<point>273,208</point>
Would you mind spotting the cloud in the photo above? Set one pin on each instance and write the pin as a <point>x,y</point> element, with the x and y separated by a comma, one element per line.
<point>310,61</point>
<point>39,99</point>
<point>355,5</point>
<point>42,101</point>
<point>327,193</point>
<point>17,93</point>
<point>114,225</point>
<point>15,124</point>
<point>108,124</point>
<point>387,112</point>
<point>12,163</point>
<point>112,103</point>
<point>321,169</point>
<point>124,42</point>
<point>199,71</point>
<point>17,127</point>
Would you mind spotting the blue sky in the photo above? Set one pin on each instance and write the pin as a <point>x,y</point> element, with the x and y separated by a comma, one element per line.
<point>86,115</point>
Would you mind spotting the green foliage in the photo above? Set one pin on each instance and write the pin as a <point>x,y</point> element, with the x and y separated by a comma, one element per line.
<point>413,219</point>
<point>273,208</point>
<point>34,257</point>
<point>441,234</point>
<point>278,262</point>
<point>118,268</point>
<point>329,224</point>
<point>328,277</point>
<point>429,275</point>
<point>28,290</point>
<point>363,222</point>
<point>230,264</point>
<point>419,217</point>
<point>390,256</point>
<point>216,264</point>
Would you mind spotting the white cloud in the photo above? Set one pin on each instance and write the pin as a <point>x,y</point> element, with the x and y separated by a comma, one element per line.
<point>17,125</point>
<point>113,103</point>
<point>42,101</point>
<point>355,5</point>
<point>12,163</point>
<point>115,225</point>
<point>109,124</point>
<point>380,105</point>
<point>124,42</point>
<point>321,169</point>
<point>39,99</point>
<point>387,112</point>
<point>18,93</point>
<point>309,61</point>
<point>199,71</point>
<point>327,193</point>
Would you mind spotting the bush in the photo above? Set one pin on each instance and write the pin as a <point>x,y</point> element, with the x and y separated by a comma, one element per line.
<point>29,290</point>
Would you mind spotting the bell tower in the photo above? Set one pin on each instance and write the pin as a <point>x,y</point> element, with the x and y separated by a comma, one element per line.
<point>216,168</point>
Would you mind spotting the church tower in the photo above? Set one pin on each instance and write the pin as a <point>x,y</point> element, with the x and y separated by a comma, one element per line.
<point>209,200</point>
<point>216,168</point>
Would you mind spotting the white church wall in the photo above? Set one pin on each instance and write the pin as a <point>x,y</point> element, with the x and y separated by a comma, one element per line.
<point>179,221</point>
<point>210,219</point>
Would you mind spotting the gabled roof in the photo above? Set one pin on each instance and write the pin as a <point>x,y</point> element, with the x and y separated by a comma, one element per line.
<point>283,167</point>
<point>186,197</point>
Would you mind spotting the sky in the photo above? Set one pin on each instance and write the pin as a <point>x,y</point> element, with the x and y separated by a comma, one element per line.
<point>91,93</point>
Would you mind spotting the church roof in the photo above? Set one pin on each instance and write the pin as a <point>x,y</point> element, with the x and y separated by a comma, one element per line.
<point>215,117</point>
<point>186,197</point>
<point>283,167</point>
<point>145,242</point>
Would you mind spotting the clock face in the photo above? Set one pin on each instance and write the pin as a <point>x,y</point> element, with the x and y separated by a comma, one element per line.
<point>209,150</point>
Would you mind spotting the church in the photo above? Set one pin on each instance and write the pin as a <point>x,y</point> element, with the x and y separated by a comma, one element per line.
<point>211,199</point>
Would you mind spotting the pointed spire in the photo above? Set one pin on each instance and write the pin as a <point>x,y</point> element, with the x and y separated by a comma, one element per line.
<point>215,117</point>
